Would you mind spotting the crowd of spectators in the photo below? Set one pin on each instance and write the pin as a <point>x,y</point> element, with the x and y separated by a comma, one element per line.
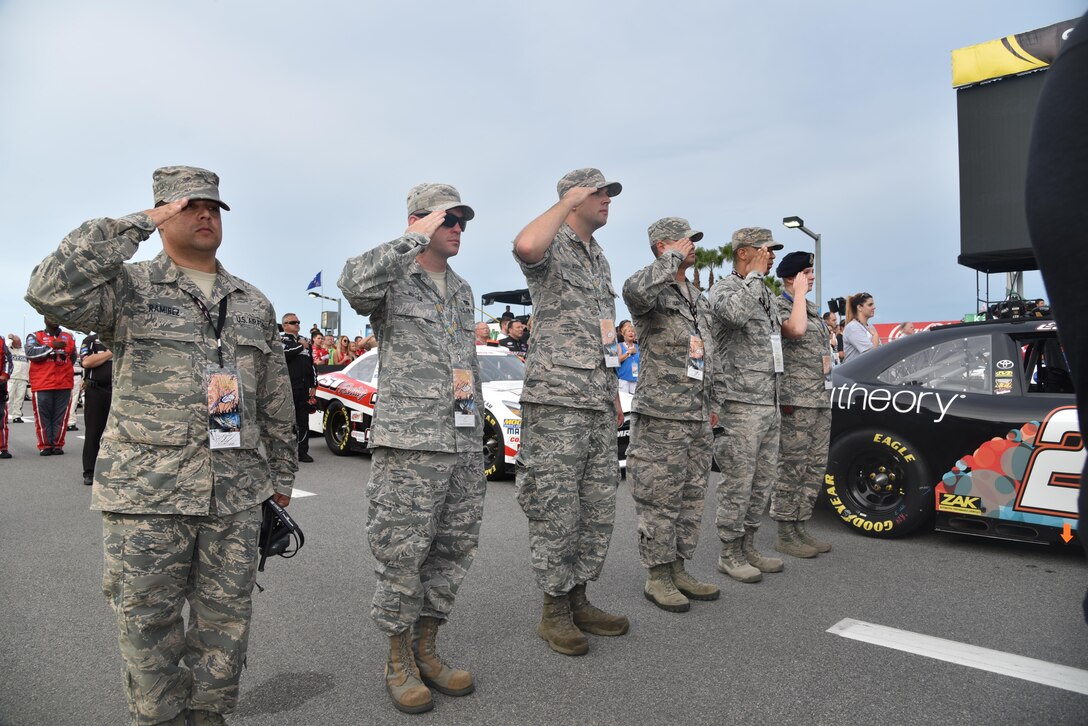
<point>328,350</point>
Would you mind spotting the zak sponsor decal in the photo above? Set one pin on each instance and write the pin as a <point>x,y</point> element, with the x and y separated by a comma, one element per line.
<point>958,503</point>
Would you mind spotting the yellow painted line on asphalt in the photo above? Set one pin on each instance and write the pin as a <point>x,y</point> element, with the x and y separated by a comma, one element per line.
<point>972,656</point>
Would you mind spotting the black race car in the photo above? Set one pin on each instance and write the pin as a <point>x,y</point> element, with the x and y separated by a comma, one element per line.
<point>971,426</point>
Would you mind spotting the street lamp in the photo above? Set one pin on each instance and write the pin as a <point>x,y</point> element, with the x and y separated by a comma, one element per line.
<point>338,315</point>
<point>798,223</point>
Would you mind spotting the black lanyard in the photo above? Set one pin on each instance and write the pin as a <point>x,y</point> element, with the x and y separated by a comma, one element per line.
<point>692,306</point>
<point>217,329</point>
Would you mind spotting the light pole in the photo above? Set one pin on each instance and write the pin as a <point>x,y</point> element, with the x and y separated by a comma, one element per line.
<point>339,317</point>
<point>798,223</point>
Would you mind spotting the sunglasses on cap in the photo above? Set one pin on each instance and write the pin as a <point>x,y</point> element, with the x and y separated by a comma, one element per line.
<point>451,220</point>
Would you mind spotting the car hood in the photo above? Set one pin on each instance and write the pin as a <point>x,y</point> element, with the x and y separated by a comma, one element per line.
<point>513,387</point>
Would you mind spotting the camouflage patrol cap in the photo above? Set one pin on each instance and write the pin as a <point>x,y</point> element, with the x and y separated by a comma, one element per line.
<point>754,237</point>
<point>428,197</point>
<point>587,178</point>
<point>171,183</point>
<point>672,228</point>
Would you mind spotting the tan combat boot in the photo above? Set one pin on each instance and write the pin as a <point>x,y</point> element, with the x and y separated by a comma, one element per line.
<point>691,587</point>
<point>402,677</point>
<point>661,591</point>
<point>755,557</point>
<point>557,627</point>
<point>818,544</point>
<point>732,563</point>
<point>205,718</point>
<point>433,672</point>
<point>789,542</point>
<point>592,619</point>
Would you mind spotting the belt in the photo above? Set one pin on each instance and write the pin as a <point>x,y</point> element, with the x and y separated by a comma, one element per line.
<point>96,384</point>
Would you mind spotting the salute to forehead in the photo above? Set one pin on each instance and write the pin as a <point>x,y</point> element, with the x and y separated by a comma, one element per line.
<point>444,235</point>
<point>197,228</point>
<point>669,231</point>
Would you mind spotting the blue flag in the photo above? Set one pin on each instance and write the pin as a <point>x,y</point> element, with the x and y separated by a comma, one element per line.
<point>316,282</point>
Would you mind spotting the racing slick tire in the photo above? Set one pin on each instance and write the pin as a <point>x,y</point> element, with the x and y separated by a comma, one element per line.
<point>494,449</point>
<point>878,484</point>
<point>337,428</point>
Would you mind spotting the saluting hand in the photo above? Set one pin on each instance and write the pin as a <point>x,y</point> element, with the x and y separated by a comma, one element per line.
<point>426,226</point>
<point>762,260</point>
<point>577,195</point>
<point>684,246</point>
<point>161,214</point>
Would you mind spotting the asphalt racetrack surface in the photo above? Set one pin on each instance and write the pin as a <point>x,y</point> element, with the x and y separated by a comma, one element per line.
<point>762,654</point>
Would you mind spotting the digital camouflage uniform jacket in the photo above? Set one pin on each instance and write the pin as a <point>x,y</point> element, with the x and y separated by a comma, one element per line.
<point>745,316</point>
<point>571,289</point>
<point>155,457</point>
<point>421,340</point>
<point>665,325</point>
<point>803,382</point>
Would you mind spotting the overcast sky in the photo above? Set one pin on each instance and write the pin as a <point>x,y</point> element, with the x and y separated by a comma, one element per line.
<point>320,116</point>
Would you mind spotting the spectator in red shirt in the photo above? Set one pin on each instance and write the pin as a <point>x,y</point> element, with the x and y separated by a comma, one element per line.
<point>320,352</point>
<point>51,353</point>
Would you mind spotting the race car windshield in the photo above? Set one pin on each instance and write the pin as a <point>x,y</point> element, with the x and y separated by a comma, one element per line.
<point>957,365</point>
<point>501,368</point>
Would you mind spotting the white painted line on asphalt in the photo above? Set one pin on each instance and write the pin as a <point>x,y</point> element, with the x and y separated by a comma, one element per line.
<point>950,651</point>
<point>299,493</point>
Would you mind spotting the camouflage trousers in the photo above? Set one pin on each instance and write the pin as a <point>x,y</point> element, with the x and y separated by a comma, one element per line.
<point>423,526</point>
<point>154,565</point>
<point>802,462</point>
<point>747,454</point>
<point>668,465</point>
<point>567,475</point>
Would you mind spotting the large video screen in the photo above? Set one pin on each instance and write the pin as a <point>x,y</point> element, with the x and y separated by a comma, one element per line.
<point>994,133</point>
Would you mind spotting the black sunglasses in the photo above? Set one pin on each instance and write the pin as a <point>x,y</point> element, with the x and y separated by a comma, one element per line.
<point>290,322</point>
<point>451,220</point>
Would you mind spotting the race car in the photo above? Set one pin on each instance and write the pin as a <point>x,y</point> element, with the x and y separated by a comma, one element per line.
<point>970,427</point>
<point>346,399</point>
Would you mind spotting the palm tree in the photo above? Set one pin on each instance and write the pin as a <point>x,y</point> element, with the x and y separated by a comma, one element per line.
<point>722,255</point>
<point>704,259</point>
<point>726,252</point>
<point>773,283</point>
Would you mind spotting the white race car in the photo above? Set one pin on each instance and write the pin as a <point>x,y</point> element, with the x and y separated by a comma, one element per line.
<point>345,408</point>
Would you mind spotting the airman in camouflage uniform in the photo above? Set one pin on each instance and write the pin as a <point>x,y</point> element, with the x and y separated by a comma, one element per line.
<point>567,470</point>
<point>746,325</point>
<point>668,461</point>
<point>180,519</point>
<point>426,486</point>
<point>806,409</point>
